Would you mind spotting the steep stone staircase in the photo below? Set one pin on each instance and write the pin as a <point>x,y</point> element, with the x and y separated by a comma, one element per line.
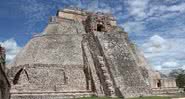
<point>102,67</point>
<point>108,80</point>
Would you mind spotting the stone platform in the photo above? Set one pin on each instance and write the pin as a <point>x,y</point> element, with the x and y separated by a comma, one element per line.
<point>158,91</point>
<point>51,95</point>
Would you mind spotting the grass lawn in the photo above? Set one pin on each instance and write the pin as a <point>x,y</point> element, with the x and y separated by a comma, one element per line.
<point>151,97</point>
<point>98,98</point>
<point>178,95</point>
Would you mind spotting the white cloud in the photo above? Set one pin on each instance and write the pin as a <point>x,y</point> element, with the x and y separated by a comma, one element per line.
<point>156,44</point>
<point>162,12</point>
<point>164,54</point>
<point>180,8</point>
<point>167,66</point>
<point>142,10</point>
<point>183,66</point>
<point>137,8</point>
<point>133,27</point>
<point>11,49</point>
<point>157,67</point>
<point>170,64</point>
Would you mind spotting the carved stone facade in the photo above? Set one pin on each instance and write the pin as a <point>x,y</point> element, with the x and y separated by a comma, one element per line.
<point>4,83</point>
<point>79,54</point>
<point>98,22</point>
<point>162,85</point>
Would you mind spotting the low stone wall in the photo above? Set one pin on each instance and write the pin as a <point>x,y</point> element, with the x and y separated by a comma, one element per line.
<point>52,95</point>
<point>159,91</point>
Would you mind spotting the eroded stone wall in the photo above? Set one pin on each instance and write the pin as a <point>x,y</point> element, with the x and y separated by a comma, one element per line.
<point>4,83</point>
<point>47,77</point>
<point>51,62</point>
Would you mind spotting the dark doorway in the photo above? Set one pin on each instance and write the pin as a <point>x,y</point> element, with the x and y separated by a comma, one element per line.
<point>100,28</point>
<point>159,83</point>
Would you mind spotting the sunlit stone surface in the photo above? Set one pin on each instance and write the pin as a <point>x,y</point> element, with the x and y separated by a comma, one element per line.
<point>79,54</point>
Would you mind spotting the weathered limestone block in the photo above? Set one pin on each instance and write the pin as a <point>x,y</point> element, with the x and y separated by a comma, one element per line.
<point>49,77</point>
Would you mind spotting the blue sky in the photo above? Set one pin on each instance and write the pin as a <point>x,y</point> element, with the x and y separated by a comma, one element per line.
<point>156,26</point>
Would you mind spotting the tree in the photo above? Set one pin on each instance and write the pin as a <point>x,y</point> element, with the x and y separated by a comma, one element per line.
<point>174,73</point>
<point>179,75</point>
<point>180,80</point>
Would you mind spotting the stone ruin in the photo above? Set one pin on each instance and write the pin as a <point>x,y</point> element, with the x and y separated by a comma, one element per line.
<point>4,83</point>
<point>79,54</point>
<point>163,85</point>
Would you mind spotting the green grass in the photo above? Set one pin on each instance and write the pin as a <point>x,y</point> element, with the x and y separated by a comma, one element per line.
<point>150,97</point>
<point>98,98</point>
<point>178,95</point>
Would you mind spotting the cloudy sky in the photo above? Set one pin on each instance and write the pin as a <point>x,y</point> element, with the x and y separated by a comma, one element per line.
<point>156,26</point>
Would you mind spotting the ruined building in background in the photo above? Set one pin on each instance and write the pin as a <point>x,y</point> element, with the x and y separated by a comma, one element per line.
<point>4,83</point>
<point>79,54</point>
<point>162,85</point>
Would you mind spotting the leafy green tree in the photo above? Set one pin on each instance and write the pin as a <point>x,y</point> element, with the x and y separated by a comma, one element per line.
<point>180,80</point>
<point>179,74</point>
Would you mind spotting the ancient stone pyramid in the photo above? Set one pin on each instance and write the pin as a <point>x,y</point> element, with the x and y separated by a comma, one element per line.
<point>79,54</point>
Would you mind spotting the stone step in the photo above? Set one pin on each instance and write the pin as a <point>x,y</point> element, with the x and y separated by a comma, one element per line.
<point>165,90</point>
<point>106,75</point>
<point>51,95</point>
